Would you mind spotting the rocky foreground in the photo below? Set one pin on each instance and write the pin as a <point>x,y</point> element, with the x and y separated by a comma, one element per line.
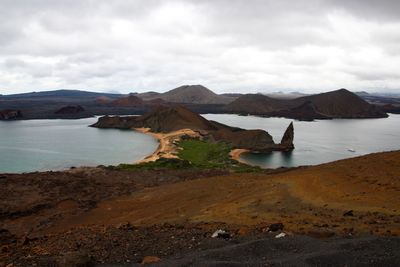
<point>341,213</point>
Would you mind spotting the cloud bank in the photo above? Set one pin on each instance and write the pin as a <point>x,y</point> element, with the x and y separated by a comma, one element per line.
<point>226,45</point>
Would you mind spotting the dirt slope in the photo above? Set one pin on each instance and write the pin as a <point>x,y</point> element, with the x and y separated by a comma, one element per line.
<point>114,216</point>
<point>304,199</point>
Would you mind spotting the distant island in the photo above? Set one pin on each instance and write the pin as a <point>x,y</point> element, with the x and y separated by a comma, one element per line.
<point>335,104</point>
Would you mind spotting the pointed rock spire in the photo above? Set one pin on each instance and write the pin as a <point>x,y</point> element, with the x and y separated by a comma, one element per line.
<point>287,139</point>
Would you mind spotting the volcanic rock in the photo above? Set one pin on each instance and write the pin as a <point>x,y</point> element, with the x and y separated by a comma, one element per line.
<point>275,227</point>
<point>287,139</point>
<point>10,114</point>
<point>71,109</point>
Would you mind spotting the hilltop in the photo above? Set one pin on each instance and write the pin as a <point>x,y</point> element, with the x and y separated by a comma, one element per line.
<point>189,94</point>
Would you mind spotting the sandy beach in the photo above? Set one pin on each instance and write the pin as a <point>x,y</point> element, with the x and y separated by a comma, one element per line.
<point>236,153</point>
<point>167,143</point>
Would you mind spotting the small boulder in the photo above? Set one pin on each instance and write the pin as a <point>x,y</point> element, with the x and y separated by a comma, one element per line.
<point>348,213</point>
<point>275,227</point>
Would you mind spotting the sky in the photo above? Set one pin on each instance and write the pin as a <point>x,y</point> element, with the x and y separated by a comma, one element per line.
<point>238,46</point>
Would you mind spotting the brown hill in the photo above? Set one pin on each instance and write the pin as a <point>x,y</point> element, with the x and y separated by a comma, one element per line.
<point>103,100</point>
<point>342,104</point>
<point>128,101</point>
<point>148,95</point>
<point>257,104</point>
<point>161,119</point>
<point>169,119</point>
<point>189,94</point>
<point>336,104</point>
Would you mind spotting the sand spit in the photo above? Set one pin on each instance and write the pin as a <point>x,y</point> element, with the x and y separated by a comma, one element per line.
<point>167,143</point>
<point>236,153</point>
<point>168,149</point>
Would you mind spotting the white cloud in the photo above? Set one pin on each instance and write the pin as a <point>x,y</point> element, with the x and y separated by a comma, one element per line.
<point>228,46</point>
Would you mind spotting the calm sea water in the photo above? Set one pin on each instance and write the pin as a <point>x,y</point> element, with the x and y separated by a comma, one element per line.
<point>37,145</point>
<point>320,141</point>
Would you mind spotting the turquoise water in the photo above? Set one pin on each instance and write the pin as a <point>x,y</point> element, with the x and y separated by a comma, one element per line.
<point>319,141</point>
<point>37,145</point>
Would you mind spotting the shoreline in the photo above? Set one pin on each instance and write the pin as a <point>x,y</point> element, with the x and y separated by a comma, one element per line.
<point>167,143</point>
<point>236,153</point>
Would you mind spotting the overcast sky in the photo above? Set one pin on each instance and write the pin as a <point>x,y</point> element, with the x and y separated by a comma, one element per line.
<point>226,45</point>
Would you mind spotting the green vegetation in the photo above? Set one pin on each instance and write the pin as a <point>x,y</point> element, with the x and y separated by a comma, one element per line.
<point>195,153</point>
<point>205,154</point>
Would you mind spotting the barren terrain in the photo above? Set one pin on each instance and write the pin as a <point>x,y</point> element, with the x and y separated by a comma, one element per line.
<point>165,213</point>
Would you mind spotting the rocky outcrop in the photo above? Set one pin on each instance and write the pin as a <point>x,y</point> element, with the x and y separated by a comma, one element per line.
<point>254,140</point>
<point>10,114</point>
<point>71,109</point>
<point>286,143</point>
<point>168,119</point>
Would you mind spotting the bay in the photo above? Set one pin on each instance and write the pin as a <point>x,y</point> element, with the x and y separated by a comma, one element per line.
<point>319,141</point>
<point>39,145</point>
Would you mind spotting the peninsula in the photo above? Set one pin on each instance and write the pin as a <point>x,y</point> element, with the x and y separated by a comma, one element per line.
<point>170,124</point>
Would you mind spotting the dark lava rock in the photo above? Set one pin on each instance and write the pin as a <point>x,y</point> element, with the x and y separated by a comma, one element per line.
<point>348,213</point>
<point>71,109</point>
<point>6,237</point>
<point>275,227</point>
<point>287,139</point>
<point>10,114</point>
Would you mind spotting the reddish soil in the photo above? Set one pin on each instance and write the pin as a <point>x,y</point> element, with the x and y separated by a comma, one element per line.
<point>114,216</point>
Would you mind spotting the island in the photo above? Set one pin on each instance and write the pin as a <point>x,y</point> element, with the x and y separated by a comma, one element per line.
<point>170,124</point>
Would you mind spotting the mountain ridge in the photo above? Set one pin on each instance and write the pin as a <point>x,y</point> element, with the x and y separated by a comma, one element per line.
<point>334,104</point>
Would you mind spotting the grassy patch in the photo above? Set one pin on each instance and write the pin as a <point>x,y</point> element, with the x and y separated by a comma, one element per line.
<point>196,154</point>
<point>204,154</point>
